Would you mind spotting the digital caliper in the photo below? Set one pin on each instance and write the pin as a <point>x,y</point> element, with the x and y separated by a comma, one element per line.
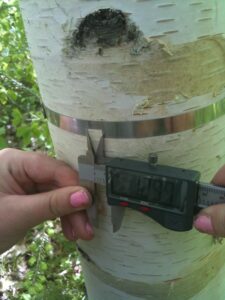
<point>171,196</point>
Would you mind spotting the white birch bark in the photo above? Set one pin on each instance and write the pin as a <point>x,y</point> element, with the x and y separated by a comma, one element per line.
<point>176,64</point>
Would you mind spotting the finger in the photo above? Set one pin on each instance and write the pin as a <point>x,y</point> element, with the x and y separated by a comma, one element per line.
<point>34,209</point>
<point>67,229</point>
<point>77,226</point>
<point>212,220</point>
<point>37,168</point>
<point>81,226</point>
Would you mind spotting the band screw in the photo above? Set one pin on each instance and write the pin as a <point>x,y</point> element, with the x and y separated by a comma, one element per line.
<point>153,158</point>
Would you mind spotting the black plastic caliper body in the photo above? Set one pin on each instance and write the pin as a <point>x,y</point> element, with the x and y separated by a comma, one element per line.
<point>166,194</point>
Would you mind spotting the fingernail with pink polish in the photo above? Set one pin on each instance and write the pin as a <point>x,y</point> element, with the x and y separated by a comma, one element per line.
<point>204,224</point>
<point>79,199</point>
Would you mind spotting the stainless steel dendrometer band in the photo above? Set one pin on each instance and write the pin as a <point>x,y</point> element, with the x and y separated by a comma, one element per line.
<point>140,128</point>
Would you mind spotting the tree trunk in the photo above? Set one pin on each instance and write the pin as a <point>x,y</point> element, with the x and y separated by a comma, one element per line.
<point>129,60</point>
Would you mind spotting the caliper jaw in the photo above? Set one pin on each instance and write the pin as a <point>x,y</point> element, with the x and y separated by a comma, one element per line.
<point>86,165</point>
<point>92,172</point>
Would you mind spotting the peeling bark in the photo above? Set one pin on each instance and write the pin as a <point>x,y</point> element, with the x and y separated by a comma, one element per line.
<point>163,72</point>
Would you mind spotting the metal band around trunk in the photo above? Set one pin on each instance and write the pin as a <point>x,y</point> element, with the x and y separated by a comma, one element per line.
<point>140,128</point>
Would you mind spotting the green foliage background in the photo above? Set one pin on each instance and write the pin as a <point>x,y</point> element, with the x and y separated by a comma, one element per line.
<point>44,266</point>
<point>22,123</point>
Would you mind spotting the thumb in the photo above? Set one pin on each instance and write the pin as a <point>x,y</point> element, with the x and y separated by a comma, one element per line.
<point>34,209</point>
<point>212,220</point>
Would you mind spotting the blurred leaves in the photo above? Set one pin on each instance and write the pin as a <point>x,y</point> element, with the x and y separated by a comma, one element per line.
<point>43,267</point>
<point>20,102</point>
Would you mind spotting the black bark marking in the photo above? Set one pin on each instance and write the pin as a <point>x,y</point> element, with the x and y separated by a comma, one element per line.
<point>105,28</point>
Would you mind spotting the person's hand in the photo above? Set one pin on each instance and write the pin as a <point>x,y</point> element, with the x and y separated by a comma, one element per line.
<point>35,188</point>
<point>211,220</point>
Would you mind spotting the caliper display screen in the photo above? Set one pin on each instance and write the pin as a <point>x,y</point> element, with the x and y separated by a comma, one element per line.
<point>166,194</point>
<point>148,190</point>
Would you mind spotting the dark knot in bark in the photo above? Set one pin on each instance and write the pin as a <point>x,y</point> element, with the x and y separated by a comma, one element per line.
<point>105,28</point>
